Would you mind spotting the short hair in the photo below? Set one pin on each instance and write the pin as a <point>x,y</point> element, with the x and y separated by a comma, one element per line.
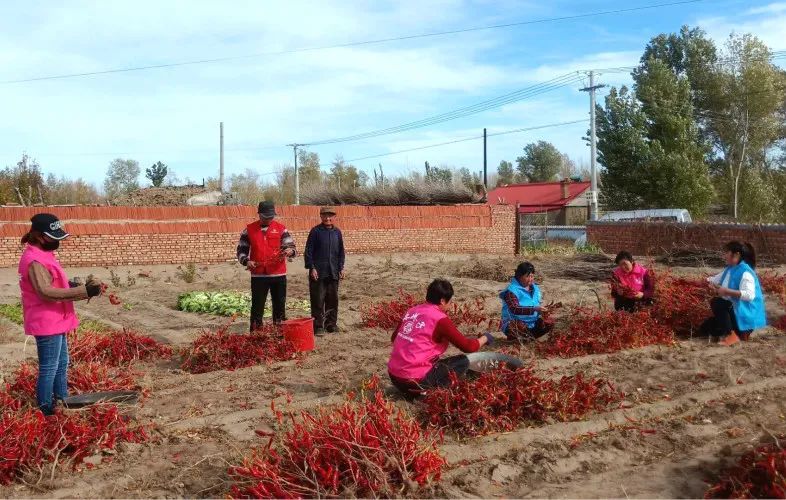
<point>624,255</point>
<point>524,269</point>
<point>438,290</point>
<point>746,251</point>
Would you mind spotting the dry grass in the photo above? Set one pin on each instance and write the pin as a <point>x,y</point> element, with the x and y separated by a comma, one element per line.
<point>400,193</point>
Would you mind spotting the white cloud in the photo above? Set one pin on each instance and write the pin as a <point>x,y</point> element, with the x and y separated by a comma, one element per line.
<point>767,23</point>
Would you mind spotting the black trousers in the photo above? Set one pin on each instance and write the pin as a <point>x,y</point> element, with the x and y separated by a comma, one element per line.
<point>723,320</point>
<point>324,302</point>
<point>518,330</point>
<point>438,376</point>
<point>630,305</point>
<point>277,286</point>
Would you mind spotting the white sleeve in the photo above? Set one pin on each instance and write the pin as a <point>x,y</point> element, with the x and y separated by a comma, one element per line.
<point>716,280</point>
<point>747,287</point>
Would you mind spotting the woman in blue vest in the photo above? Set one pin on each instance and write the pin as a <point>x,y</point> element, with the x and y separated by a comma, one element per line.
<point>521,309</point>
<point>739,307</point>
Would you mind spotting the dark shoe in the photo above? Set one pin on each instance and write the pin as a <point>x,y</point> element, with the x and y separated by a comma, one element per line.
<point>332,329</point>
<point>319,332</point>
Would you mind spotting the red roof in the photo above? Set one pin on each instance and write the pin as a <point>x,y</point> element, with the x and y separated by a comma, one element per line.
<point>536,196</point>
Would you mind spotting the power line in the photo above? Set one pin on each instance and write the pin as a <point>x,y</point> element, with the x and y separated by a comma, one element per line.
<point>350,44</point>
<point>521,94</point>
<point>465,139</point>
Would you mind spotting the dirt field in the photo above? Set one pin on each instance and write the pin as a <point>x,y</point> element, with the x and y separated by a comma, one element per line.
<point>701,405</point>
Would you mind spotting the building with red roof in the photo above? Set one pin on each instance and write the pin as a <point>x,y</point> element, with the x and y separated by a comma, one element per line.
<point>566,202</point>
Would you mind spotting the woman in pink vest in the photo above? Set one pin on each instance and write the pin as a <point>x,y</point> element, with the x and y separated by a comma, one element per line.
<point>47,306</point>
<point>632,285</point>
<point>423,335</point>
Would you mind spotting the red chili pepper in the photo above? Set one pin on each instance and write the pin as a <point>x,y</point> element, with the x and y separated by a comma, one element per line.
<point>114,300</point>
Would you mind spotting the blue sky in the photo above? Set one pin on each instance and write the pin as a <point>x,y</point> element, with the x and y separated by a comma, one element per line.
<point>74,127</point>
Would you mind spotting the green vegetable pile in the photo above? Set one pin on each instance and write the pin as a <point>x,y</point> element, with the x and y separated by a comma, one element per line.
<point>227,303</point>
<point>12,312</point>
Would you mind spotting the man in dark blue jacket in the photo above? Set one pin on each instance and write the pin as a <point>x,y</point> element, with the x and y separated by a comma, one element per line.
<point>324,256</point>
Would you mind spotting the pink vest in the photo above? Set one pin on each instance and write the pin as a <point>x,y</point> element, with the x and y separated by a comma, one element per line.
<point>634,280</point>
<point>414,351</point>
<point>43,317</point>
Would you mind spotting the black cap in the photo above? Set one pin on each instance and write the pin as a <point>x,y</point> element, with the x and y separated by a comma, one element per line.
<point>50,225</point>
<point>267,209</point>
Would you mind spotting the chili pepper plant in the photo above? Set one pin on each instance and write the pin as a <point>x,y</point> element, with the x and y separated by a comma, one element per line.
<point>115,348</point>
<point>681,304</point>
<point>760,473</point>
<point>387,314</point>
<point>592,332</point>
<point>224,350</point>
<point>365,447</point>
<point>774,283</point>
<point>503,399</point>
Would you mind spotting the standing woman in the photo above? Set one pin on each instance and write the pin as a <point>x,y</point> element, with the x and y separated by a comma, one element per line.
<point>47,306</point>
<point>739,306</point>
<point>631,284</point>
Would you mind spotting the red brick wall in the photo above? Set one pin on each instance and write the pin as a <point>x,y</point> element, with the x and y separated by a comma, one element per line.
<point>147,235</point>
<point>654,238</point>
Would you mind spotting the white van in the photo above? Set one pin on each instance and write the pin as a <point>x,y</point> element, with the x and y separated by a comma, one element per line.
<point>659,214</point>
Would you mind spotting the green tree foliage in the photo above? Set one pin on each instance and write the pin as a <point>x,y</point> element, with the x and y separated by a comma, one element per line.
<point>24,179</point>
<point>344,176</point>
<point>122,177</point>
<point>438,175</point>
<point>505,173</point>
<point>308,167</point>
<point>63,191</point>
<point>156,173</point>
<point>541,162</point>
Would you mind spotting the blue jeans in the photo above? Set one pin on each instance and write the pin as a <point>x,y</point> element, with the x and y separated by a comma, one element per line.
<point>52,371</point>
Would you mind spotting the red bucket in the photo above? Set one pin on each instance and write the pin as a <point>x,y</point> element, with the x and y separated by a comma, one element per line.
<point>300,332</point>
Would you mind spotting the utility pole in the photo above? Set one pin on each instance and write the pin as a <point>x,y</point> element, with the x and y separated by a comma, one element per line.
<point>297,174</point>
<point>485,174</point>
<point>593,146</point>
<point>221,160</point>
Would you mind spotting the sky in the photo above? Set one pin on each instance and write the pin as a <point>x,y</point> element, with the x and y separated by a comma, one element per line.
<point>76,126</point>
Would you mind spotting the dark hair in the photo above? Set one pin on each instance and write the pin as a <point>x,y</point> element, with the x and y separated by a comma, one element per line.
<point>439,289</point>
<point>746,251</point>
<point>33,237</point>
<point>624,255</point>
<point>524,269</point>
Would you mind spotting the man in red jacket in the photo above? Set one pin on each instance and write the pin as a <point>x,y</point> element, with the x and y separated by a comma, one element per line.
<point>264,247</point>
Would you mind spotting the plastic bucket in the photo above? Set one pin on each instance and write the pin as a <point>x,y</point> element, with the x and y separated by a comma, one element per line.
<point>300,332</point>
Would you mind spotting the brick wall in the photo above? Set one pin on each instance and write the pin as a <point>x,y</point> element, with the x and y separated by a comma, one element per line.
<point>654,238</point>
<point>147,235</point>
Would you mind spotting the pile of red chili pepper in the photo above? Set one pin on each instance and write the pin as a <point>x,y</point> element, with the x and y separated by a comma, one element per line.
<point>114,348</point>
<point>224,350</point>
<point>780,323</point>
<point>593,332</point>
<point>681,304</point>
<point>503,399</point>
<point>774,283</point>
<point>28,439</point>
<point>363,448</point>
<point>760,473</point>
<point>82,378</point>
<point>387,314</point>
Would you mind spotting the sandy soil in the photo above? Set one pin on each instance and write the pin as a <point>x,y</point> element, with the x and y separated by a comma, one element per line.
<point>702,405</point>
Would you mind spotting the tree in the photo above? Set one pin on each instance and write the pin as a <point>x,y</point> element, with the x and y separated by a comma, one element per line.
<point>505,173</point>
<point>156,173</point>
<point>745,120</point>
<point>24,183</point>
<point>61,191</point>
<point>308,168</point>
<point>540,163</point>
<point>438,175</point>
<point>344,176</point>
<point>122,177</point>
<point>567,168</point>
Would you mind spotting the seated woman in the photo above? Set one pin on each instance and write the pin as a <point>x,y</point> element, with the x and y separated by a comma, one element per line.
<point>632,285</point>
<point>521,309</point>
<point>739,306</point>
<point>423,335</point>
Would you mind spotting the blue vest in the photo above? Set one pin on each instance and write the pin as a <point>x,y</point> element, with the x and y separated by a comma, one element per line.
<point>526,299</point>
<point>750,315</point>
